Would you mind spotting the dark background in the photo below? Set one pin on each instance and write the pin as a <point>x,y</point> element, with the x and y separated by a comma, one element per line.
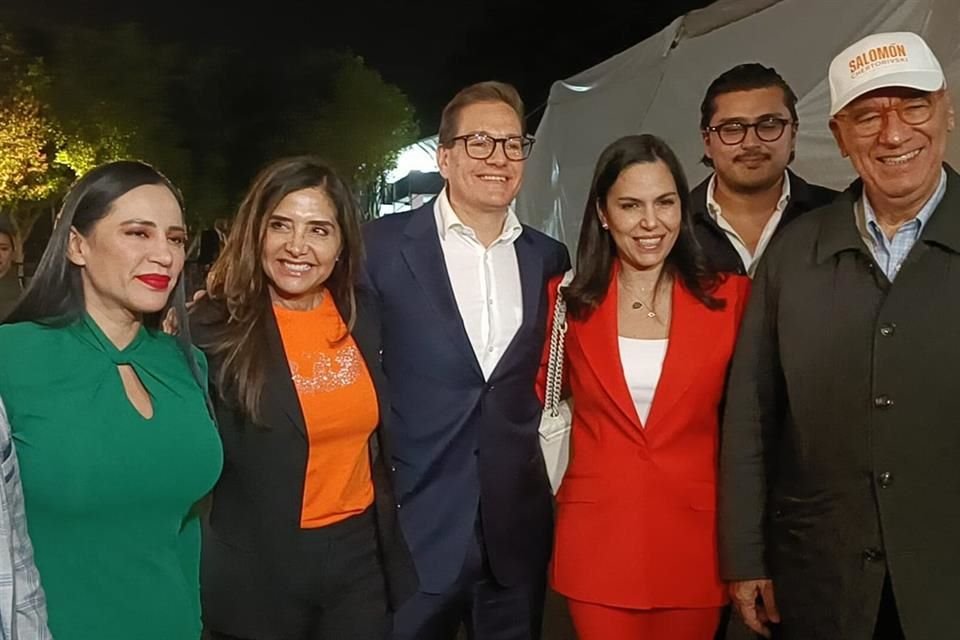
<point>428,48</point>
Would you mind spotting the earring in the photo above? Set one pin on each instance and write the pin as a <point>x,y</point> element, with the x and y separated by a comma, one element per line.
<point>605,226</point>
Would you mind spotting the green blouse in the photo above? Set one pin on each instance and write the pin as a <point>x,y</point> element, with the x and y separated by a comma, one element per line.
<point>110,494</point>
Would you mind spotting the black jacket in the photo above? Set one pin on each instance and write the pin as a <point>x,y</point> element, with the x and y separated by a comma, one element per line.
<point>252,540</point>
<point>840,442</point>
<point>719,252</point>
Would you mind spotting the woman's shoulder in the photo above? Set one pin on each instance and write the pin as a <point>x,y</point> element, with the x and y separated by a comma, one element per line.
<point>734,290</point>
<point>562,279</point>
<point>732,284</point>
<point>33,351</point>
<point>30,336</point>
<point>207,317</point>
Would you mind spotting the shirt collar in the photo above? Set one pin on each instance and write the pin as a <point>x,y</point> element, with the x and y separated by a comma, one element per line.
<point>448,220</point>
<point>869,220</point>
<point>713,208</point>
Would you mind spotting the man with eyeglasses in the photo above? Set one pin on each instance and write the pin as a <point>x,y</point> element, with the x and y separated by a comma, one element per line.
<point>839,507</point>
<point>748,121</point>
<point>462,287</point>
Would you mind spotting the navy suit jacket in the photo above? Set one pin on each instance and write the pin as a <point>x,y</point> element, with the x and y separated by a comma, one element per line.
<point>459,442</point>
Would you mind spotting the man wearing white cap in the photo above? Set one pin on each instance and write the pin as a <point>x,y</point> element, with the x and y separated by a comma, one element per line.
<point>839,490</point>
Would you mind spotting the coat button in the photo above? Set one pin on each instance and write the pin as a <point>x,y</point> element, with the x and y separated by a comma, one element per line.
<point>883,401</point>
<point>888,329</point>
<point>873,554</point>
<point>885,479</point>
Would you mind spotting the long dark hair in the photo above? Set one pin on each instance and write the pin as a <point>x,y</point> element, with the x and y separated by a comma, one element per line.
<point>55,293</point>
<point>596,251</point>
<point>54,296</point>
<point>239,286</point>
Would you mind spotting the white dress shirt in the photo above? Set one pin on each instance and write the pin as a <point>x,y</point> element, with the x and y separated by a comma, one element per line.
<point>485,282</point>
<point>642,362</point>
<point>749,260</point>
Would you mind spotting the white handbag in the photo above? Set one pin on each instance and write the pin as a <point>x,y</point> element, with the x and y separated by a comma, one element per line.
<point>555,423</point>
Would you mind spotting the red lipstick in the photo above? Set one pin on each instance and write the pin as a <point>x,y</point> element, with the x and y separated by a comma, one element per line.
<point>155,281</point>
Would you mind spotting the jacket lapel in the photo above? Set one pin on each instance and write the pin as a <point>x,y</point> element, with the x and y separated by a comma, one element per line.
<point>284,404</point>
<point>799,201</point>
<point>530,266</point>
<point>691,344</point>
<point>424,256</point>
<point>598,336</point>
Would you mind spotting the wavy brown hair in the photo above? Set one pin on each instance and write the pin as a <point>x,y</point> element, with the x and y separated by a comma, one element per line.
<point>239,287</point>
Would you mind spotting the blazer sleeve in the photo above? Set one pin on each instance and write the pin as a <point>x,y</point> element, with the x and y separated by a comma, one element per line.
<point>29,616</point>
<point>752,418</point>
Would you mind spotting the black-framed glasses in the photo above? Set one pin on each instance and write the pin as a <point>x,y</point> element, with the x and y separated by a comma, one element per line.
<point>869,121</point>
<point>767,130</point>
<point>481,146</point>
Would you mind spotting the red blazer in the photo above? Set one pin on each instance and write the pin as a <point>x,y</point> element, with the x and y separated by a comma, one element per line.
<point>636,512</point>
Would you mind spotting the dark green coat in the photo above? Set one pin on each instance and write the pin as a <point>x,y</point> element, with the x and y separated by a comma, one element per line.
<point>840,456</point>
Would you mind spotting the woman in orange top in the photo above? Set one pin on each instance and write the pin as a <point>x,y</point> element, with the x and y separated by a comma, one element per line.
<point>302,541</point>
<point>650,334</point>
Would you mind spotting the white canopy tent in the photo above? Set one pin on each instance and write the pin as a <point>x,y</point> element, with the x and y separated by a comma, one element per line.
<point>657,86</point>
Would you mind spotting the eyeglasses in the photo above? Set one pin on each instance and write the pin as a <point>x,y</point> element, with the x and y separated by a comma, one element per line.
<point>480,146</point>
<point>870,121</point>
<point>767,130</point>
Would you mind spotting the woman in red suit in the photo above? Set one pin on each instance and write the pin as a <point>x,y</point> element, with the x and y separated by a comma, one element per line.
<point>650,336</point>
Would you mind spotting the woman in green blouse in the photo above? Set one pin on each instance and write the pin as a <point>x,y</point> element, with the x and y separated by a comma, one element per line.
<point>114,438</point>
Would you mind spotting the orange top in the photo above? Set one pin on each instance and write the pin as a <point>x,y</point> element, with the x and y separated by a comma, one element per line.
<point>339,407</point>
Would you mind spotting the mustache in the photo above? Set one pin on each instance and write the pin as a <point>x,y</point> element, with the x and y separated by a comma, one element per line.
<point>751,156</point>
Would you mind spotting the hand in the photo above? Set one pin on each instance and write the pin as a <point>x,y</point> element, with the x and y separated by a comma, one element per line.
<point>198,295</point>
<point>754,601</point>
<point>170,325</point>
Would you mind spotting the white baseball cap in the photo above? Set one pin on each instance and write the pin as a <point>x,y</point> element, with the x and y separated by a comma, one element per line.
<point>898,59</point>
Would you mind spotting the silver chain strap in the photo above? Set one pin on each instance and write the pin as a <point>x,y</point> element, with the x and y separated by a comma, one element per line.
<point>555,361</point>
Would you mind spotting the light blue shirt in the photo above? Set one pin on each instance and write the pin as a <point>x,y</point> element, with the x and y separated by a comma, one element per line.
<point>890,253</point>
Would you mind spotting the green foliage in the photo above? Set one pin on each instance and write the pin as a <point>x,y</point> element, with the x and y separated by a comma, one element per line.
<point>209,120</point>
<point>346,113</point>
<point>27,137</point>
<point>109,93</point>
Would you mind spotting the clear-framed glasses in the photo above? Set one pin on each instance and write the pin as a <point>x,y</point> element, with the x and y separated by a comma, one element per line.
<point>869,120</point>
<point>481,146</point>
<point>767,130</point>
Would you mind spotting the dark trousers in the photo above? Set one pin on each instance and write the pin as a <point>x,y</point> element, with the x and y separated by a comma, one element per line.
<point>487,610</point>
<point>339,592</point>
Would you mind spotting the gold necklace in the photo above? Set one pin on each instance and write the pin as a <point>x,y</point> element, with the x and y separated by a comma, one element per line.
<point>639,303</point>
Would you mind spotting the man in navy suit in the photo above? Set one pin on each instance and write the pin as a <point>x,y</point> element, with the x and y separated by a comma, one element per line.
<point>462,288</point>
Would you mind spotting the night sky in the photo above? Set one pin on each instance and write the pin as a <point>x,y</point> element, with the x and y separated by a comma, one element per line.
<point>427,48</point>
